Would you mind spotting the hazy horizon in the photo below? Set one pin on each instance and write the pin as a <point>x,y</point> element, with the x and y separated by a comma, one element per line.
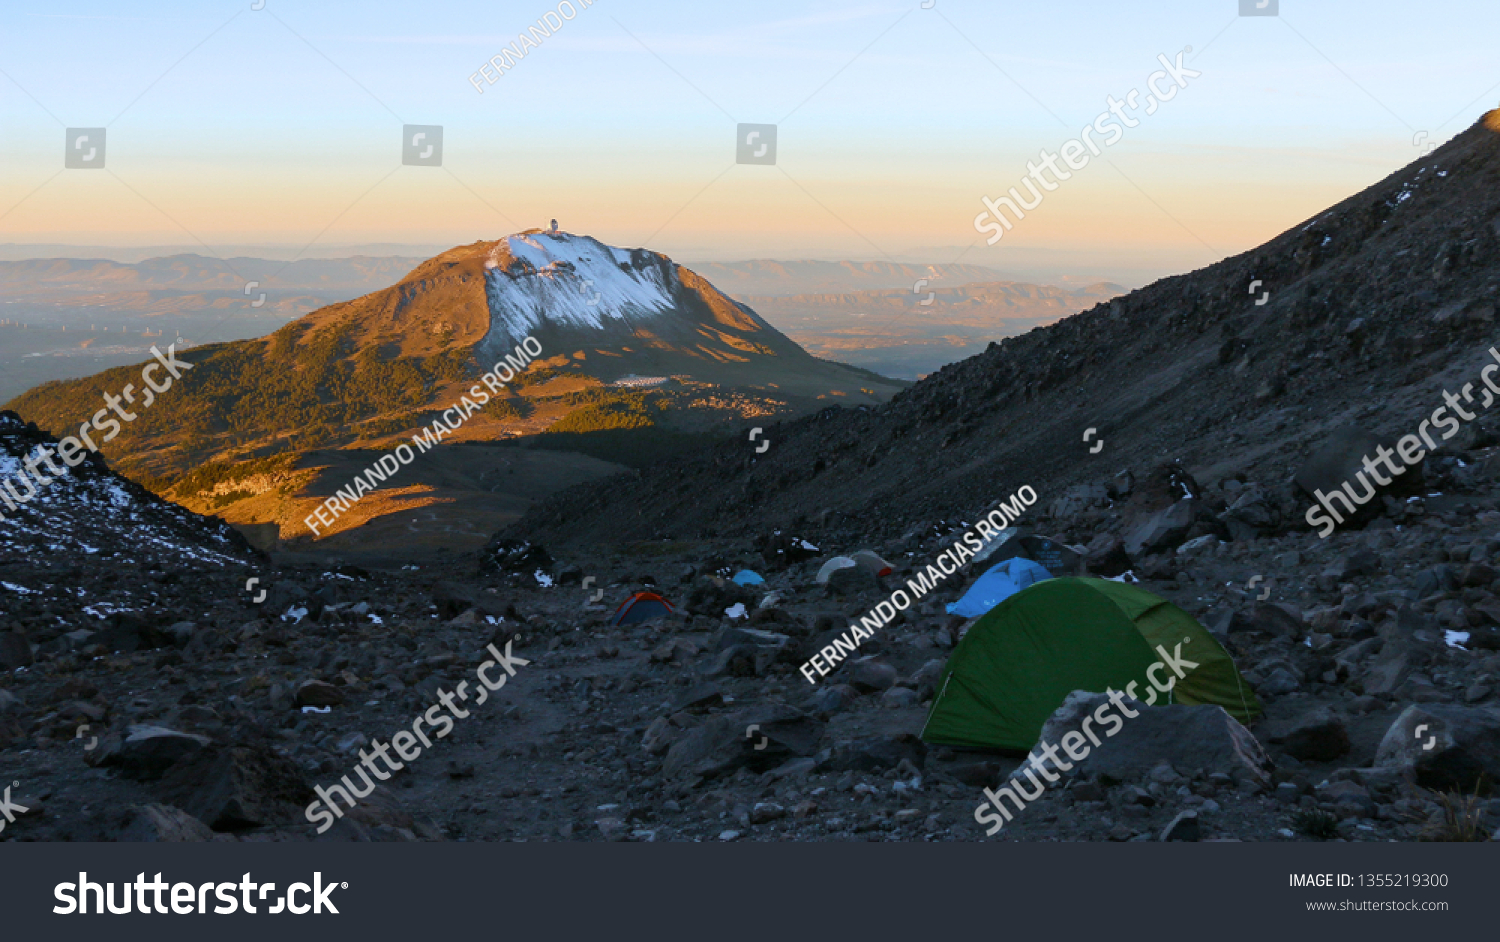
<point>282,126</point>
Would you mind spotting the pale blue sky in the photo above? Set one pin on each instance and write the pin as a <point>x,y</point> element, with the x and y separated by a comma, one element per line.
<point>284,124</point>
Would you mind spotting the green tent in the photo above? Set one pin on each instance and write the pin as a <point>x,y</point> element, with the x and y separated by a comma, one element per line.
<point>1018,662</point>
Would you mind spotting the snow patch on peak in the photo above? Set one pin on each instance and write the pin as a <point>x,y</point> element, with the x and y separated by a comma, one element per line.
<point>572,281</point>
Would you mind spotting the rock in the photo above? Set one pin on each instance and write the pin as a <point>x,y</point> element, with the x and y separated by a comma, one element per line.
<point>1348,798</point>
<point>1163,774</point>
<point>1280,683</point>
<point>742,660</point>
<point>1317,737</point>
<point>899,698</point>
<point>612,829</point>
<point>1252,512</point>
<point>318,693</point>
<point>765,811</point>
<point>1361,562</point>
<point>126,633</point>
<point>234,787</point>
<point>1087,791</point>
<point>675,650</point>
<point>868,675</point>
<point>1340,460</point>
<point>699,697</point>
<point>1052,554</point>
<point>1164,530</point>
<point>146,751</point>
<point>1105,556</point>
<point>1458,748</point>
<point>660,736</point>
<point>1198,545</point>
<point>15,651</point>
<point>725,743</point>
<point>1184,827</point>
<point>830,699</point>
<point>925,680</point>
<point>1188,737</point>
<point>755,637</point>
<point>1271,618</point>
<point>873,754</point>
<point>181,633</point>
<point>165,824</point>
<point>379,816</point>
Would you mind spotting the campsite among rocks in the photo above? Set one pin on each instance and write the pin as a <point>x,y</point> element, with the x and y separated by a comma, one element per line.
<point>219,725</point>
<point>149,693</point>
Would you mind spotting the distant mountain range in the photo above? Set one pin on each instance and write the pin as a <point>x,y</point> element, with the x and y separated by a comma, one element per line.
<point>766,277</point>
<point>194,283</point>
<point>904,334</point>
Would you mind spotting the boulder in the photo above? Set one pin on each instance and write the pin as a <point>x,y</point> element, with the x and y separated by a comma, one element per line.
<point>674,650</point>
<point>1190,738</point>
<point>873,754</point>
<point>242,786</point>
<point>319,693</point>
<point>165,824</point>
<point>1348,799</point>
<point>1340,460</point>
<point>754,637</point>
<point>743,660</point>
<point>1319,736</point>
<point>899,698</point>
<point>660,736</point>
<point>1252,513</point>
<point>1444,747</point>
<point>453,599</point>
<point>698,697</point>
<point>868,675</point>
<point>15,651</point>
<point>925,680</point>
<point>829,699</point>
<point>125,633</point>
<point>1053,555</point>
<point>1271,618</point>
<point>726,743</point>
<point>146,751</point>
<point>1164,530</point>
<point>1105,556</point>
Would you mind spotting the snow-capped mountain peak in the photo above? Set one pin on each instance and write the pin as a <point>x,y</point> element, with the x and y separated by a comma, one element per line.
<point>567,280</point>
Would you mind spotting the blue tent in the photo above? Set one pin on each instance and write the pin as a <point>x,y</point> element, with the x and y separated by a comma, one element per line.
<point>998,583</point>
<point>748,577</point>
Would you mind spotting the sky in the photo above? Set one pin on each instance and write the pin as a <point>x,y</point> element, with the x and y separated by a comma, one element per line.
<point>284,125</point>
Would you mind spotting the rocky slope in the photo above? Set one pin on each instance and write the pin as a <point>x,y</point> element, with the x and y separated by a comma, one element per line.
<point>1373,306</point>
